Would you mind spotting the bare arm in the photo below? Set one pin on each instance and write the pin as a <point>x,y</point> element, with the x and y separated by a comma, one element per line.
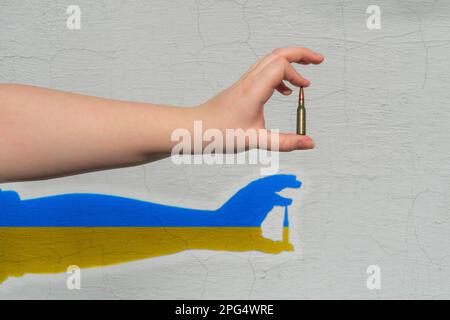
<point>46,133</point>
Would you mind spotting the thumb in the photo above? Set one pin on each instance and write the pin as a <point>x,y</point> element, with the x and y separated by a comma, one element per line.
<point>284,142</point>
<point>292,141</point>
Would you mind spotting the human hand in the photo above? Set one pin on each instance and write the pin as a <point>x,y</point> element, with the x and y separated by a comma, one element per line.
<point>135,133</point>
<point>251,205</point>
<point>241,105</point>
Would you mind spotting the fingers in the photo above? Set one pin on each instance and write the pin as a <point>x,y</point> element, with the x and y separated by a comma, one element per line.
<point>300,55</point>
<point>278,182</point>
<point>277,71</point>
<point>284,89</point>
<point>272,75</point>
<point>281,201</point>
<point>294,54</point>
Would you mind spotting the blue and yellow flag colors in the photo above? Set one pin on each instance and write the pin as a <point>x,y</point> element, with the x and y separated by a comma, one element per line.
<point>46,235</point>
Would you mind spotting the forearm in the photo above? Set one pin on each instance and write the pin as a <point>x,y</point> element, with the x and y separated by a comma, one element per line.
<point>47,133</point>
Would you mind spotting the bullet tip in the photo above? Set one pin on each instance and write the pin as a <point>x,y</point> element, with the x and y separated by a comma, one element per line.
<point>301,96</point>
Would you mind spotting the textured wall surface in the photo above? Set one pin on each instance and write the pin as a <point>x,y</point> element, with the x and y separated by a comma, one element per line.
<point>376,188</point>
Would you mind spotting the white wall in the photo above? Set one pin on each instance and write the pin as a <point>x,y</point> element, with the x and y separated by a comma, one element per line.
<point>375,188</point>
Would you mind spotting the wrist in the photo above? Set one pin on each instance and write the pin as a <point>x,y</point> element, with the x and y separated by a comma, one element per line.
<point>160,124</point>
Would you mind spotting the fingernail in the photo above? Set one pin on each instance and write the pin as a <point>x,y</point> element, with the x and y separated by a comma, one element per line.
<point>306,143</point>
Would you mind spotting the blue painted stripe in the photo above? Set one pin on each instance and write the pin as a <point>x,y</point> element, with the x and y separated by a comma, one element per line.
<point>247,208</point>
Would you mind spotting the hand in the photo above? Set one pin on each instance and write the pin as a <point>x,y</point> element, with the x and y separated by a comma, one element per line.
<point>47,133</point>
<point>251,205</point>
<point>241,105</point>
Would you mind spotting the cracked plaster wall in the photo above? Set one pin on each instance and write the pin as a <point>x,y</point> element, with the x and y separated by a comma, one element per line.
<point>376,188</point>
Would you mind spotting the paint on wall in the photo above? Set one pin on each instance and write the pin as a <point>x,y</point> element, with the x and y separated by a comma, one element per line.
<point>46,235</point>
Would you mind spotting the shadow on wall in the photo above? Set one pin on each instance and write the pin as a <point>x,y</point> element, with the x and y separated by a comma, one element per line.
<point>46,235</point>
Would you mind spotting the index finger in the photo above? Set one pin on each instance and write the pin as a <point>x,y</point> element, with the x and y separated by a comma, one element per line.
<point>294,54</point>
<point>277,182</point>
<point>299,55</point>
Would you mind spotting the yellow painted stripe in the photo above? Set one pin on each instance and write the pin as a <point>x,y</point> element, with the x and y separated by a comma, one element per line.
<point>52,249</point>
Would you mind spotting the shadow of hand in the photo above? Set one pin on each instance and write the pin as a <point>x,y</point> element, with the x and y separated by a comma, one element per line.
<point>44,249</point>
<point>251,205</point>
